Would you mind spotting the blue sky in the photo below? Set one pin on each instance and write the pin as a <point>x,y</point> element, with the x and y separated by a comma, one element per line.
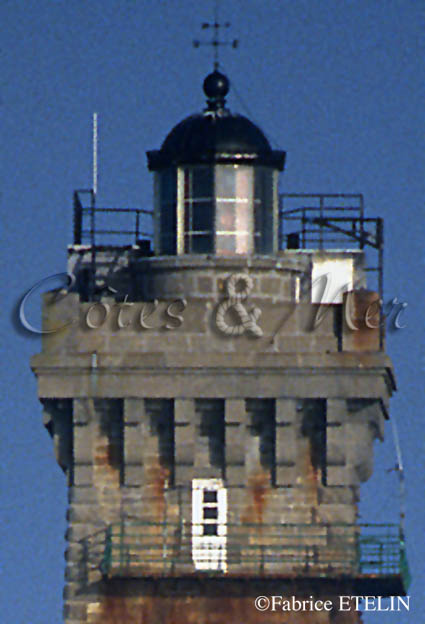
<point>338,84</point>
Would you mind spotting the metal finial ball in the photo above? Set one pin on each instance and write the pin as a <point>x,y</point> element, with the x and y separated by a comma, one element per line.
<point>216,85</point>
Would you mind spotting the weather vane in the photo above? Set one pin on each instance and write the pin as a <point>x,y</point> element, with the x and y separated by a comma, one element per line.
<point>215,41</point>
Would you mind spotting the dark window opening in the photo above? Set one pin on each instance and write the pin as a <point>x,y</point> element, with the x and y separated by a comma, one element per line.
<point>262,419</point>
<point>161,419</point>
<point>313,427</point>
<point>59,425</point>
<point>212,427</point>
<point>112,427</point>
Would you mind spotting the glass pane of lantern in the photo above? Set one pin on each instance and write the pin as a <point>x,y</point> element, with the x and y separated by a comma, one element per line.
<point>198,209</point>
<point>243,242</point>
<point>226,181</point>
<point>203,183</point>
<point>244,203</point>
<point>226,244</point>
<point>202,243</point>
<point>234,206</point>
<point>226,216</point>
<point>263,210</point>
<point>202,216</point>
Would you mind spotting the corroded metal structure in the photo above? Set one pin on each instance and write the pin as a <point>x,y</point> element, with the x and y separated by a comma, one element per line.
<point>214,400</point>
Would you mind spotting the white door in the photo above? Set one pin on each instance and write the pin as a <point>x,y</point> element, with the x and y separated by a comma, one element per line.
<point>209,524</point>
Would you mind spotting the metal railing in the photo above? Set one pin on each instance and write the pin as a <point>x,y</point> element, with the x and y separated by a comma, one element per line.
<point>306,221</point>
<point>316,220</point>
<point>133,548</point>
<point>323,221</point>
<point>333,221</point>
<point>89,229</point>
<point>86,222</point>
<point>310,217</point>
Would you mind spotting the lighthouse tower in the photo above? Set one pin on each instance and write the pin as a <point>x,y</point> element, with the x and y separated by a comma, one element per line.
<point>213,392</point>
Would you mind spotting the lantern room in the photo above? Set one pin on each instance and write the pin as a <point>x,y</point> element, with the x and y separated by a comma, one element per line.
<point>216,183</point>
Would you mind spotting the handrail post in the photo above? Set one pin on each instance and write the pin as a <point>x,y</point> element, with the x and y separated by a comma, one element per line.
<point>93,242</point>
<point>362,232</point>
<point>105,564</point>
<point>380,243</point>
<point>262,559</point>
<point>78,219</point>
<point>321,204</point>
<point>122,544</point>
<point>137,225</point>
<point>280,222</point>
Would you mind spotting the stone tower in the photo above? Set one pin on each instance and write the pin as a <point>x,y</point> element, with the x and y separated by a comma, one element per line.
<point>214,399</point>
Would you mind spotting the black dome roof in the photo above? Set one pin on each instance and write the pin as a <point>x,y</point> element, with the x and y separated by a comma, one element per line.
<point>215,136</point>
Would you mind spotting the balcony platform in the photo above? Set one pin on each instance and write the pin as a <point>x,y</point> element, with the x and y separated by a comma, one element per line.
<point>370,559</point>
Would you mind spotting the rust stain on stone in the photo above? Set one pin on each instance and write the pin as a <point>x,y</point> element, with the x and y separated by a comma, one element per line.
<point>116,609</point>
<point>158,476</point>
<point>106,458</point>
<point>113,454</point>
<point>361,322</point>
<point>309,474</point>
<point>107,474</point>
<point>258,489</point>
<point>102,455</point>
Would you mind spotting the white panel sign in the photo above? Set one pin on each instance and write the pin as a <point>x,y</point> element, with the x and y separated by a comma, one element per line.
<point>330,279</point>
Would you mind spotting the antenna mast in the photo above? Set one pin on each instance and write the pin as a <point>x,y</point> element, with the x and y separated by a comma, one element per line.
<point>94,187</point>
